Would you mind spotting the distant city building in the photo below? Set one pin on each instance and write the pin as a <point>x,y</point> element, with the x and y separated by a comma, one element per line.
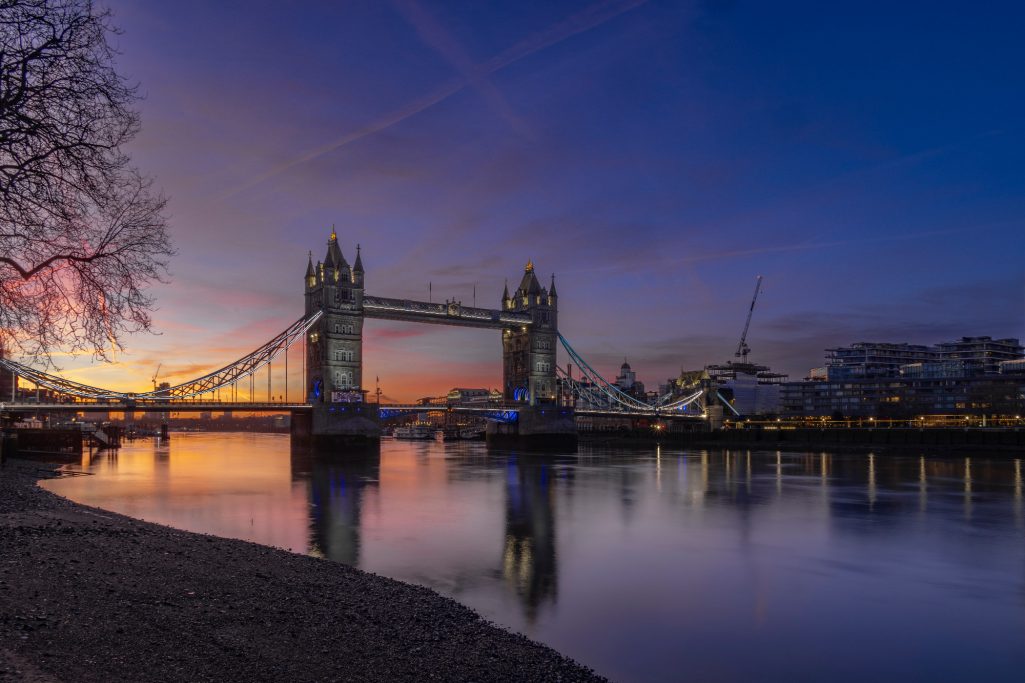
<point>742,388</point>
<point>967,356</point>
<point>748,388</point>
<point>973,375</point>
<point>980,355</point>
<point>462,396</point>
<point>627,381</point>
<point>868,359</point>
<point>164,389</point>
<point>900,397</point>
<point>1012,367</point>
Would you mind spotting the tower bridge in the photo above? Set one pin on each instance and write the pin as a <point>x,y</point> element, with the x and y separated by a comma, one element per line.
<point>539,397</point>
<point>335,295</point>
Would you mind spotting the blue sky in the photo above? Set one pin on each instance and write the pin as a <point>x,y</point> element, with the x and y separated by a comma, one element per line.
<point>865,158</point>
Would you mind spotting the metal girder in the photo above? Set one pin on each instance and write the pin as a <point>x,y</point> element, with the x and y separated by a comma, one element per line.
<point>451,313</point>
<point>226,376</point>
<point>681,403</point>
<point>241,368</point>
<point>57,383</point>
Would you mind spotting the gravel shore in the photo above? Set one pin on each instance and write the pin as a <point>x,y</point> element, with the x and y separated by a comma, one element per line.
<point>90,595</point>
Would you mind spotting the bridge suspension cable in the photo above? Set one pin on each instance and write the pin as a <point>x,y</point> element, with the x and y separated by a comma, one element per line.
<point>610,390</point>
<point>226,376</point>
<point>587,393</point>
<point>599,392</point>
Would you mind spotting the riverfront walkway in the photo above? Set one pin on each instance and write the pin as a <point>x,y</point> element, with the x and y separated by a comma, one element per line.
<point>89,595</point>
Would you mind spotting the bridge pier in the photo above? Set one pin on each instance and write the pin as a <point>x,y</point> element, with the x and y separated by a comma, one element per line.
<point>540,428</point>
<point>337,427</point>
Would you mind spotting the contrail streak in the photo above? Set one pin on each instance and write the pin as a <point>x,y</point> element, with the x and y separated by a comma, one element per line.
<point>578,23</point>
<point>434,35</point>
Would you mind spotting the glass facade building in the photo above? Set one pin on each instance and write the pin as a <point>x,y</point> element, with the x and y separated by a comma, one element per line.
<point>971,376</point>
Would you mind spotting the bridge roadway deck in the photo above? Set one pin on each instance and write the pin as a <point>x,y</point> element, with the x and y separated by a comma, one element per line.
<point>283,407</point>
<point>450,313</point>
<point>156,407</point>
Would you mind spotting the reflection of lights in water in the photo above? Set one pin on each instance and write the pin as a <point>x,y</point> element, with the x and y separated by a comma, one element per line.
<point>658,468</point>
<point>518,562</point>
<point>749,471</point>
<point>968,487</point>
<point>871,479</point>
<point>779,472</point>
<point>1017,480</point>
<point>1017,493</point>
<point>704,471</point>
<point>922,485</point>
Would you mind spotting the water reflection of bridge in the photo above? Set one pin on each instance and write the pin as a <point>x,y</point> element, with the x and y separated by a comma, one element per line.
<point>338,488</point>
<point>529,552</point>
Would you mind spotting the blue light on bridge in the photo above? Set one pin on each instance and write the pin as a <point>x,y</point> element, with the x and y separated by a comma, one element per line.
<point>503,416</point>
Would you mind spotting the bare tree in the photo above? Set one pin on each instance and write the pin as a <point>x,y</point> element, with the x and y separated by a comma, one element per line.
<point>82,234</point>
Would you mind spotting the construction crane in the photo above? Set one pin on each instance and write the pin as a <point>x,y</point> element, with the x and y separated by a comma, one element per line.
<point>742,348</point>
<point>154,380</point>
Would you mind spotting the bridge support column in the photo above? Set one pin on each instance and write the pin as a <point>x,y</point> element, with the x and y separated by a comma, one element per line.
<point>340,417</point>
<point>301,427</point>
<point>540,428</point>
<point>344,426</point>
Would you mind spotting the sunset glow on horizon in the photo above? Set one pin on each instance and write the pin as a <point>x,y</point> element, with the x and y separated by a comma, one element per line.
<point>656,157</point>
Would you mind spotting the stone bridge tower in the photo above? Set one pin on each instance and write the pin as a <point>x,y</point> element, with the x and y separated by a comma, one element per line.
<point>334,346</point>
<point>528,352</point>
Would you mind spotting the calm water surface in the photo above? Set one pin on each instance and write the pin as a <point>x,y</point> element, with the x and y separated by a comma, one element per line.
<point>650,565</point>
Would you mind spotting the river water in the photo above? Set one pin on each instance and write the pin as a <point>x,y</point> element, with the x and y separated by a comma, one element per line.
<point>656,564</point>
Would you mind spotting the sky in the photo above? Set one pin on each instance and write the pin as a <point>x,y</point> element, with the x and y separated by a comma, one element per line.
<point>865,158</point>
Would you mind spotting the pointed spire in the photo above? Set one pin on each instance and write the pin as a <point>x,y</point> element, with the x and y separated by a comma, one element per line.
<point>357,267</point>
<point>505,290</point>
<point>529,283</point>
<point>334,258</point>
<point>551,290</point>
<point>309,266</point>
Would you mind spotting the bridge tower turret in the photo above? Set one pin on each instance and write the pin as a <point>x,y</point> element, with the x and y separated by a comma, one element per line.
<point>334,349</point>
<point>528,352</point>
